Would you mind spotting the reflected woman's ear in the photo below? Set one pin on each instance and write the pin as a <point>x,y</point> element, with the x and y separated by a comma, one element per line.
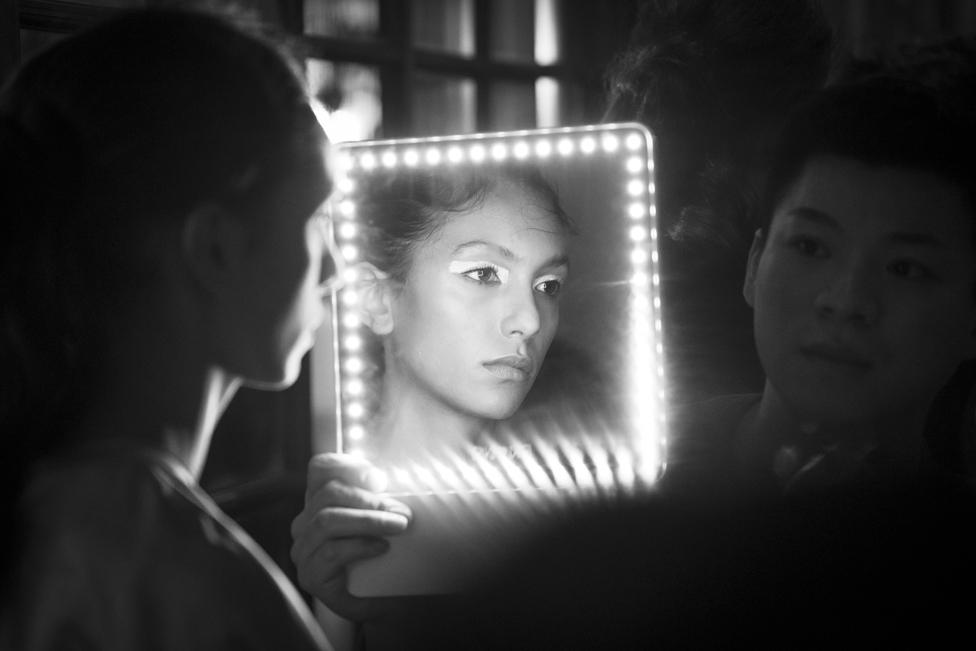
<point>375,297</point>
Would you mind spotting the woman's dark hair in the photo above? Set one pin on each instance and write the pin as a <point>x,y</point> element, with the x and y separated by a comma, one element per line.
<point>105,136</point>
<point>400,210</point>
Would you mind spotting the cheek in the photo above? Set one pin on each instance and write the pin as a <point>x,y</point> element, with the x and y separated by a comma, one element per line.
<point>781,294</point>
<point>934,332</point>
<point>431,323</point>
<point>549,323</point>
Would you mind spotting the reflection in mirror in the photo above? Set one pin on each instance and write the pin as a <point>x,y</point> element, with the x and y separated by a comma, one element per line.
<point>501,303</point>
<point>497,338</point>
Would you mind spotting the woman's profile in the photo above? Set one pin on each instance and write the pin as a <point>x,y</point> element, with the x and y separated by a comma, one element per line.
<point>161,247</point>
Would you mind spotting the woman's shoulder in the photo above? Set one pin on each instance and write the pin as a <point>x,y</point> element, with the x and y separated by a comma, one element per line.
<point>127,505</point>
<point>114,536</point>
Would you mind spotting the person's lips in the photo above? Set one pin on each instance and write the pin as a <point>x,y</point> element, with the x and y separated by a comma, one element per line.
<point>838,354</point>
<point>510,367</point>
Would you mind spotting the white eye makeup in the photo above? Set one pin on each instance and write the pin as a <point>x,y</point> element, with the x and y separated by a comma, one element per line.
<point>487,273</point>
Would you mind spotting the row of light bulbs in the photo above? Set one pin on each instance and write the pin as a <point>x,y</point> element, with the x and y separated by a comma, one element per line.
<point>629,143</point>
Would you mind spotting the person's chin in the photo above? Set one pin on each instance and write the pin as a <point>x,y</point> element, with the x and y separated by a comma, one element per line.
<point>502,406</point>
<point>280,375</point>
<point>273,382</point>
<point>833,406</point>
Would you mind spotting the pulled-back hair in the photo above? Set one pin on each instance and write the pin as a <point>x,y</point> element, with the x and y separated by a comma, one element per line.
<point>105,137</point>
<point>398,211</point>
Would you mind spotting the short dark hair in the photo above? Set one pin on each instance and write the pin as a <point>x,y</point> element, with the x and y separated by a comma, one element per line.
<point>882,121</point>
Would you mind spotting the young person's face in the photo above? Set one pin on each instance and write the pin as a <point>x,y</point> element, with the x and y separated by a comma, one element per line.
<point>479,307</point>
<point>283,283</point>
<point>863,291</point>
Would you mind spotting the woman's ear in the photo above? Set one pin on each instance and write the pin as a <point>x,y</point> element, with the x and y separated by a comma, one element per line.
<point>755,252</point>
<point>376,294</point>
<point>213,244</point>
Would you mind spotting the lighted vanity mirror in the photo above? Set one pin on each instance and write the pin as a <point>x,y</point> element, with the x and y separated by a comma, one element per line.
<point>497,337</point>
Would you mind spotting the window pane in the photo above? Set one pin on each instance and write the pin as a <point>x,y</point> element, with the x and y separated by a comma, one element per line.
<point>547,31</point>
<point>572,104</point>
<point>444,25</point>
<point>443,105</point>
<point>342,18</point>
<point>512,105</point>
<point>548,102</point>
<point>512,30</point>
<point>351,96</point>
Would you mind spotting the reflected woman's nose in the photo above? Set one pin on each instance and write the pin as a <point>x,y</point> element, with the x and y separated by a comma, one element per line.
<point>521,317</point>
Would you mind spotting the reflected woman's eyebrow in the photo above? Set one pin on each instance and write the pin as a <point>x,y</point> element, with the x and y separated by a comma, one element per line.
<point>473,244</point>
<point>507,253</point>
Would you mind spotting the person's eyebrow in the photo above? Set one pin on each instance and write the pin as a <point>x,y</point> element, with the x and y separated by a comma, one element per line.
<point>813,215</point>
<point>917,238</point>
<point>507,253</point>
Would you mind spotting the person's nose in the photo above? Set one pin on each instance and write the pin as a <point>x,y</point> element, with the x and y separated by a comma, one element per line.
<point>521,314</point>
<point>852,294</point>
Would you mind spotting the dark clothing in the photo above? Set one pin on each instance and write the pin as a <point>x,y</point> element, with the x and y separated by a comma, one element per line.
<point>123,551</point>
<point>835,569</point>
<point>702,457</point>
<point>721,557</point>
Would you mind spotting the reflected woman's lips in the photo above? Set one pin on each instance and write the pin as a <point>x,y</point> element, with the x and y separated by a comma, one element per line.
<point>510,367</point>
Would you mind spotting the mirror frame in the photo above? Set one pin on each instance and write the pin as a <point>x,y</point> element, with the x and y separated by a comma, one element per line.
<point>628,145</point>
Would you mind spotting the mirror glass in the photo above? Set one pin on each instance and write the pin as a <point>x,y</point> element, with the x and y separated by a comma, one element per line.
<point>497,338</point>
<point>500,291</point>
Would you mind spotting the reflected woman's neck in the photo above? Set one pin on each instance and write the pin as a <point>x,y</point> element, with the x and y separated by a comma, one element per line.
<point>415,426</point>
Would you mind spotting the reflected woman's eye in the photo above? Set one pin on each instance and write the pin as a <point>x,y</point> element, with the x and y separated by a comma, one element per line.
<point>483,273</point>
<point>550,286</point>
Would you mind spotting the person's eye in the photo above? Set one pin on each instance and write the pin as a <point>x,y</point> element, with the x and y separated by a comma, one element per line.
<point>549,285</point>
<point>484,273</point>
<point>909,269</point>
<point>808,246</point>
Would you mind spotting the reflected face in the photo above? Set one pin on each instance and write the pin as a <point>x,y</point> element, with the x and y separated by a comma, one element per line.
<point>863,292</point>
<point>479,307</point>
<point>284,301</point>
